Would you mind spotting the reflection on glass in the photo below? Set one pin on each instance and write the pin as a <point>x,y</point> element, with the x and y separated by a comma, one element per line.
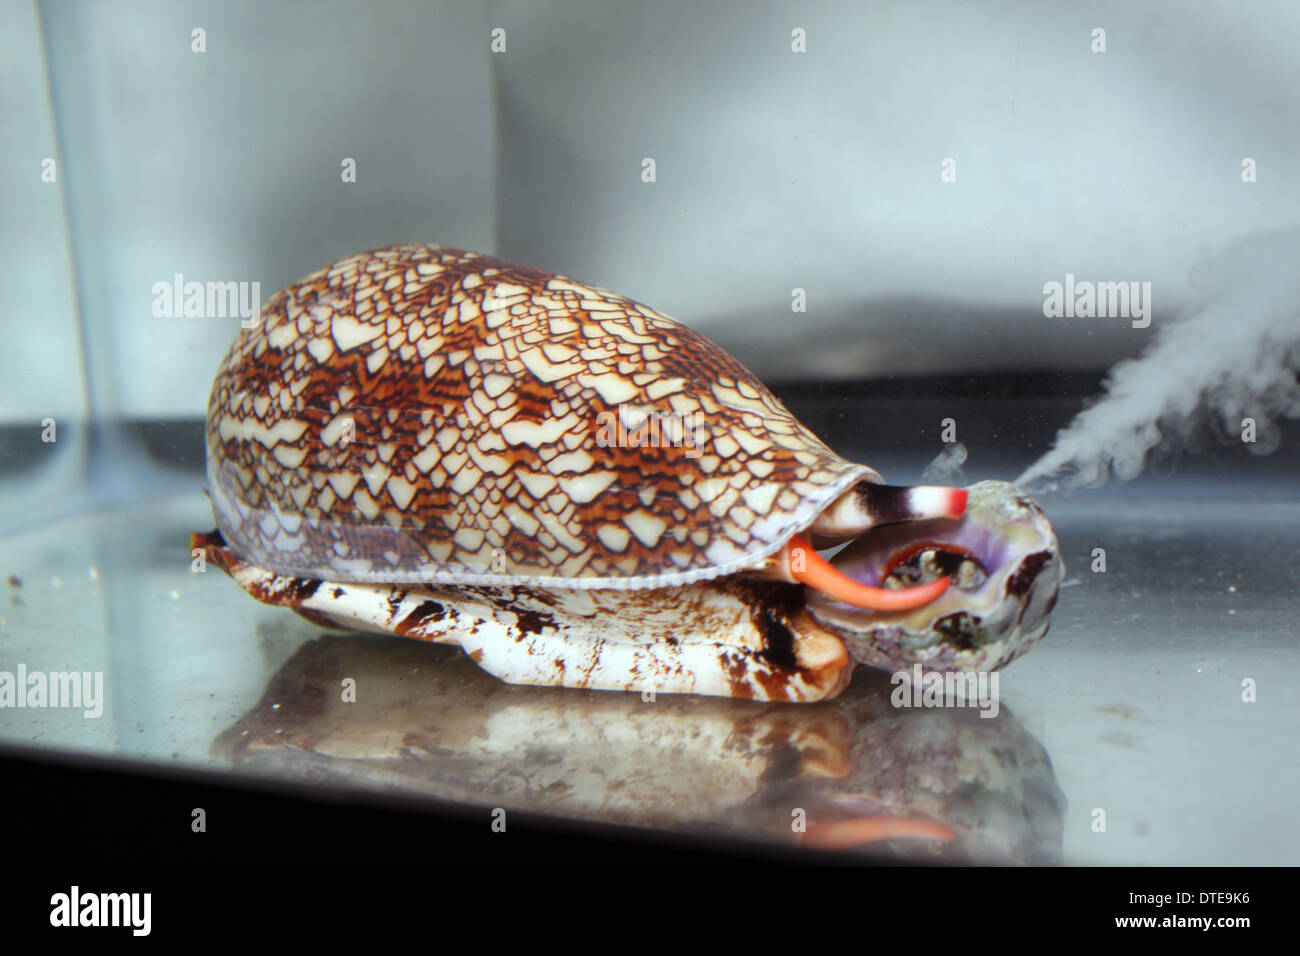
<point>427,720</point>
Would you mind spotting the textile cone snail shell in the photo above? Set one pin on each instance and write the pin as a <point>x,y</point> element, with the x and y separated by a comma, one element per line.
<point>581,491</point>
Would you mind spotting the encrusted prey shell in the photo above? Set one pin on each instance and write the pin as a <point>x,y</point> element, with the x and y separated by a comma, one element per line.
<point>424,414</point>
<point>980,629</point>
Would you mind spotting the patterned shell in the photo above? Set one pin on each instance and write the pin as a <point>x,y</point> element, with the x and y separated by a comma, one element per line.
<point>419,413</point>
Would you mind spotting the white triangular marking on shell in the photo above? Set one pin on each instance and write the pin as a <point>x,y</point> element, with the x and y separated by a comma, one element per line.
<point>578,461</point>
<point>321,349</point>
<point>614,537</point>
<point>289,456</point>
<point>759,499</point>
<point>536,363</point>
<point>665,386</point>
<point>348,333</point>
<point>401,491</point>
<point>586,487</point>
<point>539,486</point>
<point>613,389</point>
<point>647,527</point>
<point>538,434</point>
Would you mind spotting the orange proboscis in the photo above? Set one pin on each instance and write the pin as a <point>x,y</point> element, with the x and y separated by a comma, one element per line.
<point>818,573</point>
<point>850,833</point>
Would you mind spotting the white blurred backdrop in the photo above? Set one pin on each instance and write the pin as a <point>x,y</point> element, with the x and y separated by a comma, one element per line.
<point>774,169</point>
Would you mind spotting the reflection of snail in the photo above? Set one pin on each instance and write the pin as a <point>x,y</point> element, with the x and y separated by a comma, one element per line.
<point>411,441</point>
<point>427,720</point>
<point>987,779</point>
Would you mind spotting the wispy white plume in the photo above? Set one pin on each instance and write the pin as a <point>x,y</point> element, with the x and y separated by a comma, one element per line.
<point>1235,356</point>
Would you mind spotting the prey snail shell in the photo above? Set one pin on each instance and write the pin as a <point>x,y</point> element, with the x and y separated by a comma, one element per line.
<point>435,443</point>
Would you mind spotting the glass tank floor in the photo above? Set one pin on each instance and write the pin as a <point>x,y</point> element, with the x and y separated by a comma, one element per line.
<point>1155,724</point>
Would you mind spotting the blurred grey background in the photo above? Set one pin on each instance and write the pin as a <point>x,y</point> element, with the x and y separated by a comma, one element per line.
<point>775,169</point>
